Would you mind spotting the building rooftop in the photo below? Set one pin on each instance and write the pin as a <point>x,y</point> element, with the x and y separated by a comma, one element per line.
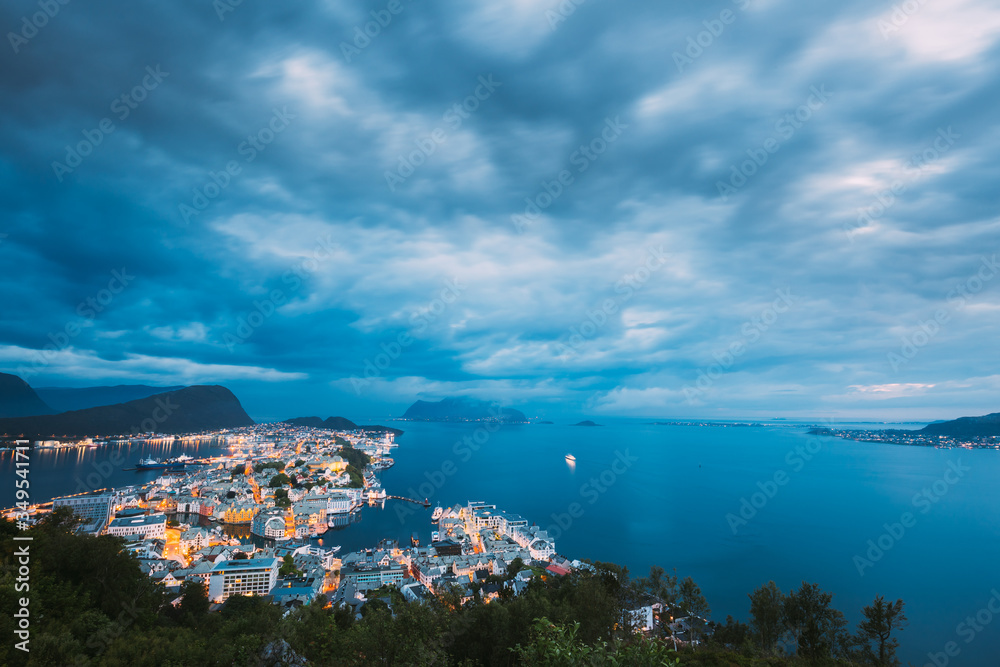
<point>252,564</point>
<point>145,520</point>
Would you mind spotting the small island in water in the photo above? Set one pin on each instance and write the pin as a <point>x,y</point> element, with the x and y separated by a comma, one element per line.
<point>463,409</point>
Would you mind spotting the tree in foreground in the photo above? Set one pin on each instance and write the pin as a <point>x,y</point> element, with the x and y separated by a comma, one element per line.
<point>767,616</point>
<point>559,646</point>
<point>817,626</point>
<point>881,619</point>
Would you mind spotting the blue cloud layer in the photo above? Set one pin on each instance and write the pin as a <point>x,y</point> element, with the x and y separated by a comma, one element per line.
<point>575,207</point>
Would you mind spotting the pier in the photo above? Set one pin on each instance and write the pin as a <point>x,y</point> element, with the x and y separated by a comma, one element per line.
<point>425,502</point>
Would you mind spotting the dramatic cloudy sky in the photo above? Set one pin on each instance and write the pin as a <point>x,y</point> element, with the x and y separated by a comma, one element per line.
<point>638,287</point>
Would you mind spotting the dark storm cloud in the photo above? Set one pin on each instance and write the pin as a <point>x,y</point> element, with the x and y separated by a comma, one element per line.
<point>293,189</point>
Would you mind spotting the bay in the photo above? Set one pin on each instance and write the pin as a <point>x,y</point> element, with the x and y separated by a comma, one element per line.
<point>671,499</point>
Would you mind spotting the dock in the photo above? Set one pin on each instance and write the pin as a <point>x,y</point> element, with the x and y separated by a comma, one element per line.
<point>425,502</point>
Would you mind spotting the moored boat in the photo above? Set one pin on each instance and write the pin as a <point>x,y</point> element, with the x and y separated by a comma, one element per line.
<point>156,464</point>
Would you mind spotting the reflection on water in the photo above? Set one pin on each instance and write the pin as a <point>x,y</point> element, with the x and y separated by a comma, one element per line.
<point>61,471</point>
<point>239,532</point>
<point>341,521</point>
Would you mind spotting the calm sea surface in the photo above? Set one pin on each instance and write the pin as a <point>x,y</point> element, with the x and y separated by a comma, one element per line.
<point>647,495</point>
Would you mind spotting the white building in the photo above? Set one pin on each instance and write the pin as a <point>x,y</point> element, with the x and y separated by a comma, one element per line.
<point>642,614</point>
<point>194,538</point>
<point>256,576</point>
<point>270,523</point>
<point>200,571</point>
<point>93,510</point>
<point>535,540</point>
<point>428,575</point>
<point>368,578</point>
<point>417,592</point>
<point>147,526</point>
<point>542,549</point>
<point>339,503</point>
<point>188,505</point>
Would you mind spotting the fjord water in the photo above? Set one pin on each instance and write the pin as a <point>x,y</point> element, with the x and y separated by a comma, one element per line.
<point>63,471</point>
<point>669,507</point>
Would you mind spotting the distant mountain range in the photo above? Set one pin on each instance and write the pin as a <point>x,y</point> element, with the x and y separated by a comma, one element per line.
<point>18,399</point>
<point>187,410</point>
<point>966,426</point>
<point>64,399</point>
<point>339,424</point>
<point>463,409</point>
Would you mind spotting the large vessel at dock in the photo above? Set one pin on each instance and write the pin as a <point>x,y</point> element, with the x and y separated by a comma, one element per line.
<point>167,464</point>
<point>383,463</point>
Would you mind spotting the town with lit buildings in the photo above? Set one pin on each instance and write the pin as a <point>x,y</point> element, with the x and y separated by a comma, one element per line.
<point>244,523</point>
<point>913,437</point>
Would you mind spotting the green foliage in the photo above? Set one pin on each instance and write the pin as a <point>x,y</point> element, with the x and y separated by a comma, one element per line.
<point>83,592</point>
<point>273,465</point>
<point>279,480</point>
<point>690,598</point>
<point>560,646</point>
<point>288,568</point>
<point>767,616</point>
<point>355,457</point>
<point>91,604</point>
<point>881,619</point>
<point>659,585</point>
<point>194,602</point>
<point>816,625</point>
<point>733,635</point>
<point>357,479</point>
